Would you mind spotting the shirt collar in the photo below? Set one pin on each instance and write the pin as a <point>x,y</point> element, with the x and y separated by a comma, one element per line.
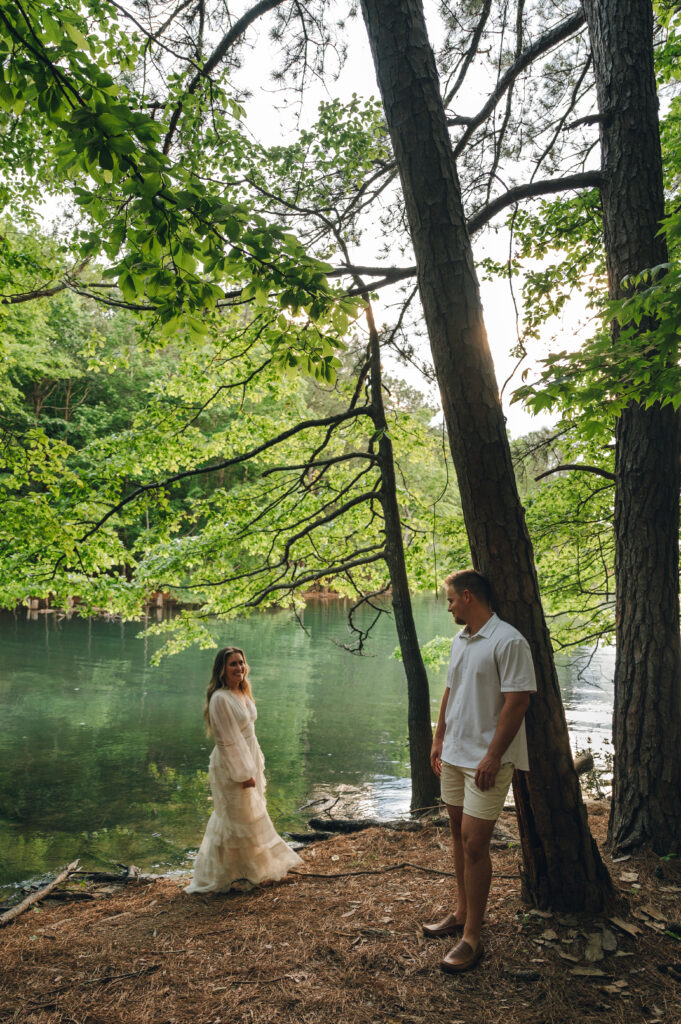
<point>484,631</point>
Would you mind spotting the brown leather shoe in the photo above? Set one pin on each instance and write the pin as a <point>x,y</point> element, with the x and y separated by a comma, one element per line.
<point>447,926</point>
<point>462,958</point>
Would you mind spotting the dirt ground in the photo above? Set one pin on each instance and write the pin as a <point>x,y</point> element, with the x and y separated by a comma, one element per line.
<point>343,944</point>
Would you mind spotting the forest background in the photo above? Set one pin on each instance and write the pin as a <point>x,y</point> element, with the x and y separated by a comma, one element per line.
<point>195,399</point>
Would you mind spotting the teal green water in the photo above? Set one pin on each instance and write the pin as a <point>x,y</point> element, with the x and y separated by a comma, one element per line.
<point>103,756</point>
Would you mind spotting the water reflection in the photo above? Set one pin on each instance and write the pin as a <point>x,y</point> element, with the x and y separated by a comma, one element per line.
<point>103,756</point>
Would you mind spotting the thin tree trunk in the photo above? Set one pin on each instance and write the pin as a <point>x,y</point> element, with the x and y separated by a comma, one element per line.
<point>425,788</point>
<point>647,715</point>
<point>562,867</point>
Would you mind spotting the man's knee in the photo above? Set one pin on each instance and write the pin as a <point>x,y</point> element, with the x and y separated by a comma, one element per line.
<point>476,835</point>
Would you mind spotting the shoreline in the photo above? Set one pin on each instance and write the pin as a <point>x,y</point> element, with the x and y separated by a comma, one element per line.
<point>161,602</point>
<point>341,937</point>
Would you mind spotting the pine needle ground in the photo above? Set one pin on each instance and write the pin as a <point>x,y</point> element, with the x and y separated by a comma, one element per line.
<point>346,949</point>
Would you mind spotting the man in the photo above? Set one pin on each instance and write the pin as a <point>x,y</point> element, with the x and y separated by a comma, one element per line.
<point>479,740</point>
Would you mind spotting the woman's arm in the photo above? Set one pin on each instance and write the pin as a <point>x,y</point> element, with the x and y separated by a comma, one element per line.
<point>230,740</point>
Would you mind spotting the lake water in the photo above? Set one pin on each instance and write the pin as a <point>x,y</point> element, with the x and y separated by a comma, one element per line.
<point>103,756</point>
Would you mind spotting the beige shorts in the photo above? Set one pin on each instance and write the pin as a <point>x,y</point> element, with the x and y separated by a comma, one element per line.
<point>458,789</point>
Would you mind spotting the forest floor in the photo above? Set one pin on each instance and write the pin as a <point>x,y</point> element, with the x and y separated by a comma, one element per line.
<point>343,945</point>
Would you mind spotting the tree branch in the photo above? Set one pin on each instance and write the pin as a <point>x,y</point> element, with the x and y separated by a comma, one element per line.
<point>587,179</point>
<point>38,293</point>
<point>320,463</point>
<point>365,410</point>
<point>541,46</point>
<point>577,465</point>
<point>336,513</point>
<point>470,53</point>
<point>218,54</point>
<point>528,190</point>
<point>319,574</point>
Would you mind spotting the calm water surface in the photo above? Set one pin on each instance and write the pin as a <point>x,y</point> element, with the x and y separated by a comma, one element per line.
<point>103,756</point>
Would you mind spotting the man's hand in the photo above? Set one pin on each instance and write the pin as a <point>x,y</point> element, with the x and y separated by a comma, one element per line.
<point>248,784</point>
<point>435,757</point>
<point>486,772</point>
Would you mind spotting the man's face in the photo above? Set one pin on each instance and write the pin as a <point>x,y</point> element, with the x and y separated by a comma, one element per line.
<point>457,605</point>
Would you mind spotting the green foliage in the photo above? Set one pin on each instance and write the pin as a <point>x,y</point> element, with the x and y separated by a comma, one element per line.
<point>126,467</point>
<point>599,380</point>
<point>569,516</point>
<point>558,250</point>
<point>176,241</point>
<point>596,382</point>
<point>435,653</point>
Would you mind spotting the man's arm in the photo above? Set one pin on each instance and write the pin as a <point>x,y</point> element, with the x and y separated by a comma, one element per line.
<point>512,713</point>
<point>439,737</point>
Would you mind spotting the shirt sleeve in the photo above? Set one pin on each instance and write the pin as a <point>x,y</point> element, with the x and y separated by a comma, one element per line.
<point>229,739</point>
<point>515,667</point>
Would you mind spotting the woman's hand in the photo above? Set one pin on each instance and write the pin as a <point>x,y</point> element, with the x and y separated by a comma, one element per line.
<point>248,784</point>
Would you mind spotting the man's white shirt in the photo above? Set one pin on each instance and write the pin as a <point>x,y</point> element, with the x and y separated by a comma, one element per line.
<point>495,660</point>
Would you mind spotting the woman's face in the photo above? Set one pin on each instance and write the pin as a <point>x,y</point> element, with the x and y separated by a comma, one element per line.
<point>235,670</point>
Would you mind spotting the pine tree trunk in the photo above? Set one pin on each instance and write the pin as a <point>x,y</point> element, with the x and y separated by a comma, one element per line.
<point>647,716</point>
<point>425,788</point>
<point>562,867</point>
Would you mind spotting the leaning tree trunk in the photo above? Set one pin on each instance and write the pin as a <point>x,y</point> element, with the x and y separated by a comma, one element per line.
<point>425,788</point>
<point>647,715</point>
<point>562,867</point>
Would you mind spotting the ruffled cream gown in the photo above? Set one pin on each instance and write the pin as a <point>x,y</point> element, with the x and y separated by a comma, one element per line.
<point>240,840</point>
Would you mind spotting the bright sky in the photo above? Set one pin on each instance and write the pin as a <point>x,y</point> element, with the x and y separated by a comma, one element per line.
<point>272,121</point>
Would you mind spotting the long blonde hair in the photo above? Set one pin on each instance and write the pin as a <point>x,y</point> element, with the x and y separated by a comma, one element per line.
<point>217,679</point>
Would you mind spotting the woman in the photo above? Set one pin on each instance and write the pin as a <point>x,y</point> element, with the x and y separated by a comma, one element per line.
<point>240,840</point>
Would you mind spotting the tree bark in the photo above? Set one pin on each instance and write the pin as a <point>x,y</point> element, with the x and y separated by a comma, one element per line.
<point>425,788</point>
<point>562,867</point>
<point>647,715</point>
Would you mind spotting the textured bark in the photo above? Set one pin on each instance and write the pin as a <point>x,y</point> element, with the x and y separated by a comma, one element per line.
<point>647,716</point>
<point>425,788</point>
<point>562,867</point>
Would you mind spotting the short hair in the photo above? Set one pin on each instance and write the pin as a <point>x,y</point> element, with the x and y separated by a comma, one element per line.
<point>471,579</point>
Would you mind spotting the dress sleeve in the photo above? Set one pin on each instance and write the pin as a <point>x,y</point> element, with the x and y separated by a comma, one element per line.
<point>515,667</point>
<point>229,739</point>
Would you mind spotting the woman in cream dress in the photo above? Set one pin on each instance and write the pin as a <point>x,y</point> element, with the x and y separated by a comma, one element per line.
<point>240,840</point>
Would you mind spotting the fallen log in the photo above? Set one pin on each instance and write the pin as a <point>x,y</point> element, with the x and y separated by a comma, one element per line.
<point>35,897</point>
<point>307,837</point>
<point>109,876</point>
<point>348,825</point>
<point>324,827</point>
<point>344,825</point>
<point>69,895</point>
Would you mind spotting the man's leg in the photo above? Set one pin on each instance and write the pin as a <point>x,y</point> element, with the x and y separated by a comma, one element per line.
<point>476,834</point>
<point>452,787</point>
<point>455,818</point>
<point>453,922</point>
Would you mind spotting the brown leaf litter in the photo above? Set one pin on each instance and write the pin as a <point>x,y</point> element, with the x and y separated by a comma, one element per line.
<point>344,945</point>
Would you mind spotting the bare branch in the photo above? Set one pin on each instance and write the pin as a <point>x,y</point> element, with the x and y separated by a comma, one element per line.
<point>528,190</point>
<point>577,465</point>
<point>589,119</point>
<point>470,53</point>
<point>541,46</point>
